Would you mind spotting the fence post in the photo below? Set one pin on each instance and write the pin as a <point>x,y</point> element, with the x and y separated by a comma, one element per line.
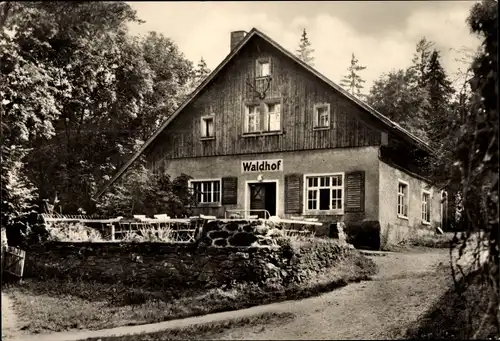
<point>112,229</point>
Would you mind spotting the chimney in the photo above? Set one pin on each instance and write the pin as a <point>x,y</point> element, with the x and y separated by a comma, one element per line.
<point>236,37</point>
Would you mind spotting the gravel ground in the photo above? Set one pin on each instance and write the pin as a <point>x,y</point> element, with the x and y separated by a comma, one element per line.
<point>407,285</point>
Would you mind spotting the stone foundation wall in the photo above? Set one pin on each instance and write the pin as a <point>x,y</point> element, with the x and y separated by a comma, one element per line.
<point>152,265</point>
<point>239,233</point>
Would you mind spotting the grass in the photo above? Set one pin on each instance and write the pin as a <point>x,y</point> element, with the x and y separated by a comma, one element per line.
<point>203,331</point>
<point>61,305</point>
<point>469,315</point>
<point>441,241</point>
<point>434,240</point>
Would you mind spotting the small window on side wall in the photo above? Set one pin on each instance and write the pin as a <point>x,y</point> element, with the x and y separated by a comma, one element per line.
<point>207,127</point>
<point>426,207</point>
<point>402,199</point>
<point>322,116</point>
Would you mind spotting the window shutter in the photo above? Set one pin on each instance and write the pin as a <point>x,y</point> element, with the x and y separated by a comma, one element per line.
<point>229,190</point>
<point>293,193</point>
<point>355,192</point>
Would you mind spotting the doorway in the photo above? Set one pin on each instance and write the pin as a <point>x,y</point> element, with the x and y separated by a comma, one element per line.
<point>262,196</point>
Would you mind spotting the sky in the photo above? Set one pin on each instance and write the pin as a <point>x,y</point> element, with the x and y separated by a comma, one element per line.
<point>381,34</point>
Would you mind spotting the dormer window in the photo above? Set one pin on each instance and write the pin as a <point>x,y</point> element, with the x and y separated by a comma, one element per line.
<point>322,116</point>
<point>263,67</point>
<point>207,127</point>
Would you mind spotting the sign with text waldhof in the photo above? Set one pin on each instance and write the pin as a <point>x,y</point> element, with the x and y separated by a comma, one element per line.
<point>262,166</point>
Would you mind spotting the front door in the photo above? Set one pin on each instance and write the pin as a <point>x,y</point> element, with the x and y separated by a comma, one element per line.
<point>263,197</point>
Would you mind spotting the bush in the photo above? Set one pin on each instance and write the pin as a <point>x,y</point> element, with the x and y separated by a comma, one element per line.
<point>434,241</point>
<point>69,232</point>
<point>151,234</point>
<point>308,258</point>
<point>466,314</point>
<point>364,234</point>
<point>140,191</point>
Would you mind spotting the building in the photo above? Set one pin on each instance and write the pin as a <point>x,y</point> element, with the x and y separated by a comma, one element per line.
<point>266,131</point>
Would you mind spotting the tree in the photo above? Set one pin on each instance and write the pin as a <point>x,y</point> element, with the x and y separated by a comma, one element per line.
<point>171,77</point>
<point>403,95</point>
<point>28,108</point>
<point>201,72</point>
<point>305,52</point>
<point>198,75</point>
<point>397,96</point>
<point>470,161</point>
<point>440,92</point>
<point>106,87</point>
<point>421,59</point>
<point>141,191</point>
<point>84,45</point>
<point>353,81</point>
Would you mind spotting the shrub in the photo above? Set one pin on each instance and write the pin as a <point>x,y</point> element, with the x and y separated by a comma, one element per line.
<point>364,234</point>
<point>435,240</point>
<point>150,234</point>
<point>306,258</point>
<point>140,191</point>
<point>69,232</point>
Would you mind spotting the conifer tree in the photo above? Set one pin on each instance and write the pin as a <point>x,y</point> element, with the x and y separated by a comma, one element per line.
<point>440,92</point>
<point>353,82</point>
<point>304,52</point>
<point>201,72</point>
<point>421,59</point>
<point>198,75</point>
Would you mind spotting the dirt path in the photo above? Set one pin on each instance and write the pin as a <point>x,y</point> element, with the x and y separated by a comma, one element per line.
<point>9,321</point>
<point>407,285</point>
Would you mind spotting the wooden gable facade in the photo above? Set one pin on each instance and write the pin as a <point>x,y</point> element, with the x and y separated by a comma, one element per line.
<point>238,85</point>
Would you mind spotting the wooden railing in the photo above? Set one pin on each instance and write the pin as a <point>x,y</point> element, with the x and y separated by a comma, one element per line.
<point>183,229</point>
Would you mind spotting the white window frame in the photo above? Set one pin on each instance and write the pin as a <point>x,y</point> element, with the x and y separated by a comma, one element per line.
<point>203,126</point>
<point>258,67</point>
<point>247,117</point>
<point>191,183</point>
<point>317,107</point>
<point>267,116</point>
<point>406,199</point>
<point>307,188</point>
<point>427,205</point>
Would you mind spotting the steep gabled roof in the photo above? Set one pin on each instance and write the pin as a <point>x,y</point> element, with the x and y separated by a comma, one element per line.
<point>391,126</point>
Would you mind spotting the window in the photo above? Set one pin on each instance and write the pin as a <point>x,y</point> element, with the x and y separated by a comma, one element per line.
<point>263,68</point>
<point>206,191</point>
<point>273,117</point>
<point>402,199</point>
<point>252,118</point>
<point>324,192</point>
<point>426,207</point>
<point>322,115</point>
<point>207,126</point>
